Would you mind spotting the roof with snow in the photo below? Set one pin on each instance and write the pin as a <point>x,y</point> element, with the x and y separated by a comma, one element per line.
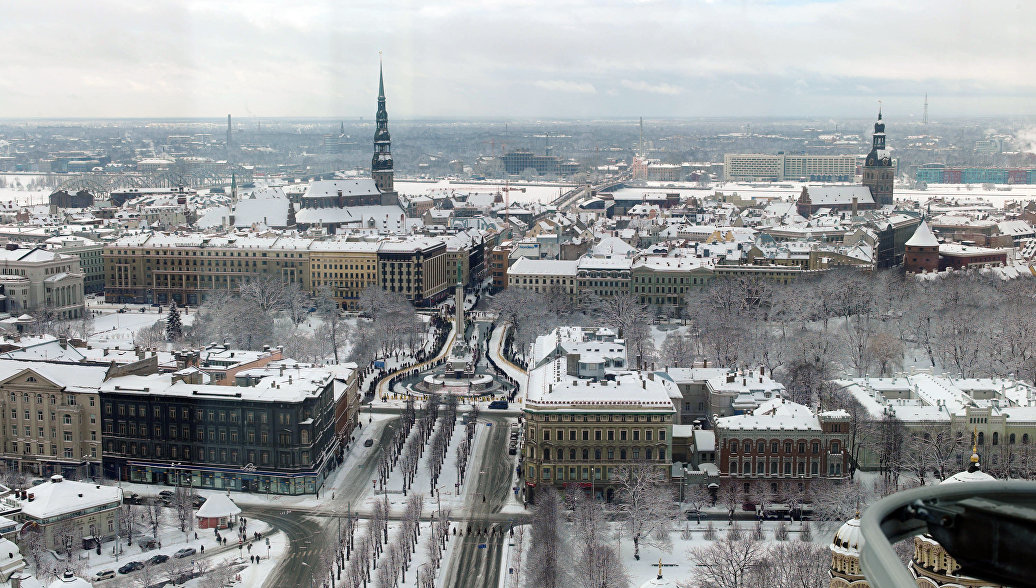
<point>218,506</point>
<point>58,496</point>
<point>922,237</point>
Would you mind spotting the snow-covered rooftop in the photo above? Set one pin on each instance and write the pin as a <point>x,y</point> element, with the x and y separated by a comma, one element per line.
<point>58,496</point>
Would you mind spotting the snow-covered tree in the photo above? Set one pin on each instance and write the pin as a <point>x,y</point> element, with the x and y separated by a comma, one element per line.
<point>173,324</point>
<point>547,554</point>
<point>646,505</point>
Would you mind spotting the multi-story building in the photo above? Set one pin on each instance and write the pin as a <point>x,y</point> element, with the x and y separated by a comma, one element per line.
<point>543,276</point>
<point>91,262</point>
<point>940,173</point>
<point>499,264</point>
<point>781,447</point>
<point>40,280</point>
<point>50,421</point>
<point>665,281</point>
<point>160,267</point>
<point>585,420</point>
<point>347,268</point>
<point>816,168</point>
<point>275,436</point>
<point>603,276</point>
<point>416,268</point>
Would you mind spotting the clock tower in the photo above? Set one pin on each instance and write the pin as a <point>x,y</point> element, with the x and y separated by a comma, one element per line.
<point>878,169</point>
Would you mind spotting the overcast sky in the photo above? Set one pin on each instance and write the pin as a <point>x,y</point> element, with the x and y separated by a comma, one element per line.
<point>516,58</point>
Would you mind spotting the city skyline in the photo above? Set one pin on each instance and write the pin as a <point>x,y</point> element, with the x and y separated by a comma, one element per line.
<point>490,60</point>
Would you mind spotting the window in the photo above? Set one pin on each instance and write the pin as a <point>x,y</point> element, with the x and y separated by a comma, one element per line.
<point>1010,439</point>
<point>996,438</point>
<point>636,434</point>
<point>546,434</point>
<point>586,434</point>
<point>816,448</point>
<point>546,454</point>
<point>67,419</point>
<point>622,454</point>
<point>773,447</point>
<point>787,447</point>
<point>733,446</point>
<point>597,435</point>
<point>622,435</point>
<point>647,435</point>
<point>611,435</point>
<point>571,434</point>
<point>661,435</point>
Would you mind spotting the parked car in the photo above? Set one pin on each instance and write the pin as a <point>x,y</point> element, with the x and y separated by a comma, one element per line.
<point>498,404</point>
<point>368,443</point>
<point>185,552</point>
<point>131,567</point>
<point>146,542</point>
<point>158,559</point>
<point>166,493</point>
<point>105,575</point>
<point>198,501</point>
<point>133,498</point>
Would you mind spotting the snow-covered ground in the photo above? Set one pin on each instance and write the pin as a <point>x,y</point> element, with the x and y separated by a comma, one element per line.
<point>171,539</point>
<point>520,192</point>
<point>677,564</point>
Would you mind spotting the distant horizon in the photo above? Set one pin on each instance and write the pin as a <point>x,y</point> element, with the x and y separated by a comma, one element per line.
<point>563,59</point>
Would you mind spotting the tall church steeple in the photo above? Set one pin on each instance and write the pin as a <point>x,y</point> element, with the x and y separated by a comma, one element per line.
<point>878,171</point>
<point>381,163</point>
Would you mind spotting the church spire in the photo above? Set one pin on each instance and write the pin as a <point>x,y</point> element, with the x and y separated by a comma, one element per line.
<point>381,162</point>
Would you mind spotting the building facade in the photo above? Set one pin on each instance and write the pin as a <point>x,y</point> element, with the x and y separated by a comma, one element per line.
<point>816,168</point>
<point>50,422</point>
<point>276,436</point>
<point>584,421</point>
<point>782,447</point>
<point>37,280</point>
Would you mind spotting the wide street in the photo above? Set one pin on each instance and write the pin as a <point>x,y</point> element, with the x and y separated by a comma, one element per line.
<point>312,531</point>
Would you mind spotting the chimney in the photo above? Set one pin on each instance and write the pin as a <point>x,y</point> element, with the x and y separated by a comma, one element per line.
<point>856,203</point>
<point>63,341</point>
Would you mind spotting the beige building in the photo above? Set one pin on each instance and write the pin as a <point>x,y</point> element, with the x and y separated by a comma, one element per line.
<point>762,166</point>
<point>158,267</point>
<point>584,420</point>
<point>37,279</point>
<point>51,418</point>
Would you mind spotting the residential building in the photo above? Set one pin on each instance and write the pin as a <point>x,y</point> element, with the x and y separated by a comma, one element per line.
<point>835,198</point>
<point>40,280</point>
<point>346,268</point>
<point>582,427</point>
<point>416,268</point>
<point>51,417</point>
<point>709,392</point>
<point>499,265</point>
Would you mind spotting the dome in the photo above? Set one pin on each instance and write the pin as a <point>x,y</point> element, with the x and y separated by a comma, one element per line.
<point>849,538</point>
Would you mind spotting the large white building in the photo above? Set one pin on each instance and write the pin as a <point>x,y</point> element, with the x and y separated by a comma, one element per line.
<point>37,279</point>
<point>91,508</point>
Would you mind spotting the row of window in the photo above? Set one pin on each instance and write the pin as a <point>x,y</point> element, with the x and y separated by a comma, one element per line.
<point>70,399</point>
<point>41,433</point>
<point>212,455</point>
<point>65,418</point>
<point>834,468</point>
<point>584,434</point>
<point>598,454</point>
<point>760,447</point>
<point>68,452</point>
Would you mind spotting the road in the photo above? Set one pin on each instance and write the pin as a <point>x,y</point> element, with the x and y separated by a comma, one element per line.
<point>309,535</point>
<point>469,565</point>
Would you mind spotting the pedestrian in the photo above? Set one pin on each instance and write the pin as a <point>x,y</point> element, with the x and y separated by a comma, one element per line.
<point>203,549</point>
<point>195,535</point>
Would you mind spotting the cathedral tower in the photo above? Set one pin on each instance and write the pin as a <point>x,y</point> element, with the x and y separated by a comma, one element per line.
<point>381,163</point>
<point>878,171</point>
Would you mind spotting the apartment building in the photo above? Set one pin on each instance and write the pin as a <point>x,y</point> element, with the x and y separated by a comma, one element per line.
<point>50,421</point>
<point>346,268</point>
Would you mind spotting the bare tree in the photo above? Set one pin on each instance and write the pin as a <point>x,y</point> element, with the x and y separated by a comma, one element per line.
<point>327,307</point>
<point>154,514</point>
<point>698,496</point>
<point>729,563</point>
<point>887,351</point>
<point>183,505</point>
<point>266,292</point>
<point>548,550</point>
<point>677,350</point>
<point>645,505</point>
